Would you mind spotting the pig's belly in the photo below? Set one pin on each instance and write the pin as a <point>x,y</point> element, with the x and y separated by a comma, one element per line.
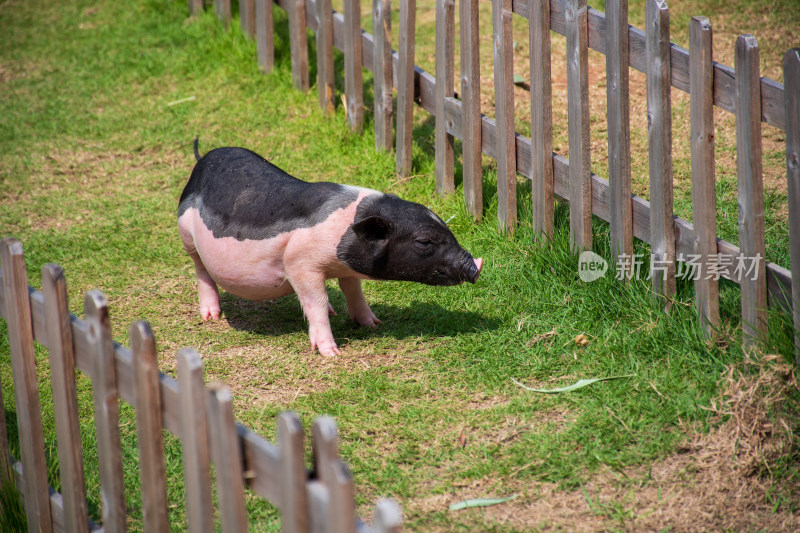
<point>251,269</point>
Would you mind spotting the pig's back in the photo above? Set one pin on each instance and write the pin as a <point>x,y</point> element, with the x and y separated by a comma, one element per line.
<point>240,194</point>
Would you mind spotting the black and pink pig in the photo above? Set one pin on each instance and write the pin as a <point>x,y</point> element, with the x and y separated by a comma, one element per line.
<point>260,233</point>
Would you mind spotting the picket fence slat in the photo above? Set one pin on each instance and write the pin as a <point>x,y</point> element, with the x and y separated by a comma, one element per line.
<point>382,69</point>
<point>353,87</point>
<point>319,506</point>
<point>580,184</point>
<point>195,8</point>
<point>619,135</point>
<point>147,395</point>
<point>445,63</point>
<point>405,87</point>
<point>293,471</point>
<point>298,44</point>
<point>325,75</point>
<point>659,143</point>
<point>388,516</point>
<point>222,8</point>
<point>541,96</point>
<point>195,442</point>
<point>471,100</point>
<point>23,365</point>
<point>226,454</point>
<point>503,47</point>
<point>751,189</point>
<point>704,210</point>
<point>791,76</point>
<point>247,17</point>
<point>65,398</point>
<point>265,42</point>
<point>333,474</point>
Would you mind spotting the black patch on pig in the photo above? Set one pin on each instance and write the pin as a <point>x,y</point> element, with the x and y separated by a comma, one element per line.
<point>393,239</point>
<point>242,195</point>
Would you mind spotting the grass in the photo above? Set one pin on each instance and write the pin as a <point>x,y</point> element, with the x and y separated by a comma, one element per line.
<point>93,160</point>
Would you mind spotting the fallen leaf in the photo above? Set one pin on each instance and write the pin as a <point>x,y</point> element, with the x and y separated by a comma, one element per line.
<point>577,385</point>
<point>480,502</point>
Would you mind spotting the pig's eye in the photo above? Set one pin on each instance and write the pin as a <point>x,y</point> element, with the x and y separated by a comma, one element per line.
<point>423,244</point>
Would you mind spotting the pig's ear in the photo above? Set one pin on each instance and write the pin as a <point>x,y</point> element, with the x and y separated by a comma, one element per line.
<point>372,228</point>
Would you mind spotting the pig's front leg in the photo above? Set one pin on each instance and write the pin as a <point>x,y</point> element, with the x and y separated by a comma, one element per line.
<point>310,289</point>
<point>357,306</point>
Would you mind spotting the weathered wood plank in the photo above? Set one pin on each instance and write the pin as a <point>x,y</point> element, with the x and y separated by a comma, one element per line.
<point>388,517</point>
<point>65,398</point>
<point>703,192</point>
<point>226,453</point>
<point>659,142</point>
<point>791,76</point>
<point>319,501</point>
<point>471,108</point>
<point>194,441</point>
<point>298,44</point>
<point>265,41</point>
<point>294,497</point>
<point>222,8</point>
<point>23,366</point>
<point>619,135</point>
<point>405,86</point>
<point>541,96</point>
<point>353,86</point>
<point>445,58</point>
<point>382,69</point>
<point>147,395</point>
<point>247,17</point>
<point>326,87</point>
<point>503,49</point>
<point>580,189</point>
<point>751,189</point>
<point>102,369</point>
<point>195,7</point>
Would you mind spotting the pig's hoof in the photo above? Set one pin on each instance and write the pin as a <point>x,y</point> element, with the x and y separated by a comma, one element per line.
<point>368,320</point>
<point>331,310</point>
<point>209,312</point>
<point>326,349</point>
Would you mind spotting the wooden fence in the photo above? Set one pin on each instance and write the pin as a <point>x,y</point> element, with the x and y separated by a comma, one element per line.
<point>741,90</point>
<point>201,416</point>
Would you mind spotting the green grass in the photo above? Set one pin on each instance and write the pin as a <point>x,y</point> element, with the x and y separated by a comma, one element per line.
<point>93,160</point>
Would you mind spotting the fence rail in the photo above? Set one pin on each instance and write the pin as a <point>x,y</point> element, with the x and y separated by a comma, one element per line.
<point>741,90</point>
<point>201,416</point>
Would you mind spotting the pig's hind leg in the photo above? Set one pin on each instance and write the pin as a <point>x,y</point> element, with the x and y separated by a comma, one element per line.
<point>357,306</point>
<point>310,290</point>
<point>207,291</point>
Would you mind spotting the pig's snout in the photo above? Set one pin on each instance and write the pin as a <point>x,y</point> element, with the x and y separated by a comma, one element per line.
<point>473,269</point>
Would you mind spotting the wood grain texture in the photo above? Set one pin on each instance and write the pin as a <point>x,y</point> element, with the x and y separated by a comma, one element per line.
<point>353,87</point>
<point>659,143</point>
<point>194,441</point>
<point>541,96</point>
<point>703,178</point>
<point>294,496</point>
<point>503,48</point>
<point>471,108</point>
<point>791,77</point>
<point>65,398</point>
<point>298,44</point>
<point>14,283</point>
<point>102,369</point>
<point>265,41</point>
<point>580,184</point>
<point>750,189</point>
<point>445,63</point>
<point>382,69</point>
<point>405,87</point>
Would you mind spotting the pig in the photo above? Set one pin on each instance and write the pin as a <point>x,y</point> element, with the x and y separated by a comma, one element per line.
<point>260,234</point>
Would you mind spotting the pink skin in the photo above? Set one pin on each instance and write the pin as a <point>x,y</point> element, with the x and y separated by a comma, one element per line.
<point>271,268</point>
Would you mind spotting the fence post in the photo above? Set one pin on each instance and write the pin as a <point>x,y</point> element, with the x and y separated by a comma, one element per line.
<point>65,398</point>
<point>325,74</point>
<point>659,140</point>
<point>334,474</point>
<point>791,91</point>
<point>147,401</point>
<point>471,108</point>
<point>265,41</point>
<point>194,439</point>
<point>106,410</point>
<point>701,90</point>
<point>353,87</point>
<point>541,118</point>
<point>619,135</point>
<point>195,8</point>
<point>247,17</point>
<point>388,517</point>
<point>26,393</point>
<point>580,179</point>
<point>445,63</point>
<point>751,189</point>
<point>405,87</point>
<point>222,8</point>
<point>294,503</point>
<point>298,43</point>
<point>382,69</point>
<point>504,114</point>
<point>227,456</point>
